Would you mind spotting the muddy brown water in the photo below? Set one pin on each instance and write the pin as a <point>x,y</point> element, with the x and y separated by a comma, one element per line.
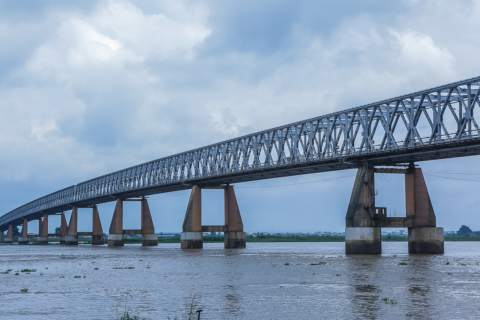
<point>264,281</point>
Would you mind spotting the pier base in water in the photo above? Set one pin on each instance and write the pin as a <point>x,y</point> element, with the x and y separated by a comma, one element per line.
<point>425,240</point>
<point>363,240</point>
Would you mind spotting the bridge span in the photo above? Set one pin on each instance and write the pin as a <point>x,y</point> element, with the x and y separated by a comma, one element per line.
<point>432,124</point>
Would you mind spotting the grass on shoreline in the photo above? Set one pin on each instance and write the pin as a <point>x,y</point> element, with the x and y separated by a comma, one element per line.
<point>274,238</point>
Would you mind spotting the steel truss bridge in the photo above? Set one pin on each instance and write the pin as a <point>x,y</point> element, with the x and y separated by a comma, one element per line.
<point>437,123</point>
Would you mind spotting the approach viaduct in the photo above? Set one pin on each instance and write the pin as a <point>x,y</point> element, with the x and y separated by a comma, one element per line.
<point>387,137</point>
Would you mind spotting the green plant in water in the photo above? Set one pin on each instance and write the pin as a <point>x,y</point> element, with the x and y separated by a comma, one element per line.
<point>447,263</point>
<point>449,273</point>
<point>338,275</point>
<point>409,314</point>
<point>95,268</point>
<point>389,301</point>
<point>127,316</point>
<point>6,272</point>
<point>402,264</point>
<point>123,267</point>
<point>321,263</point>
<point>17,273</point>
<point>62,277</point>
<point>287,264</point>
<point>76,277</point>
<point>24,290</point>
<point>28,270</point>
<point>406,260</point>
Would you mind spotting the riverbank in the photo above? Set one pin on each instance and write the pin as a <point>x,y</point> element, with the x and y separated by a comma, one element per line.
<point>266,238</point>
<point>273,238</point>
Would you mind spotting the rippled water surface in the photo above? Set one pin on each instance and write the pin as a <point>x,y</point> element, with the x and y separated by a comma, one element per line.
<point>264,281</point>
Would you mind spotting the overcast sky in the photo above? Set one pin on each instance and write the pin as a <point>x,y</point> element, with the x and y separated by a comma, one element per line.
<point>89,87</point>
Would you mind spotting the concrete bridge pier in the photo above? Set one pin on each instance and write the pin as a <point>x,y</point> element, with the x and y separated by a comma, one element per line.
<point>23,239</point>
<point>71,239</point>
<point>423,235</point>
<point>43,230</point>
<point>234,237</point>
<point>97,230</point>
<point>9,237</point>
<point>115,233</point>
<point>362,235</point>
<point>63,228</point>
<point>149,238</point>
<point>2,237</point>
<point>192,235</point>
<point>364,221</point>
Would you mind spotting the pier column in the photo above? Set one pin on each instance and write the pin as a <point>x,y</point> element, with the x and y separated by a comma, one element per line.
<point>71,239</point>
<point>23,239</point>
<point>234,237</point>
<point>63,228</point>
<point>192,235</point>
<point>362,234</point>
<point>115,233</point>
<point>2,237</point>
<point>43,230</point>
<point>423,236</point>
<point>9,237</point>
<point>97,230</point>
<point>149,238</point>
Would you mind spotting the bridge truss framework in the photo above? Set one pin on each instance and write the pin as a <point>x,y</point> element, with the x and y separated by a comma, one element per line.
<point>437,123</point>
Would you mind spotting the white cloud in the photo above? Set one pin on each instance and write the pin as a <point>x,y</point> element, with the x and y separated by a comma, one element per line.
<point>85,63</point>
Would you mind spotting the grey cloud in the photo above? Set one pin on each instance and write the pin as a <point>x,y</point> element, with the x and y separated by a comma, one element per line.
<point>92,87</point>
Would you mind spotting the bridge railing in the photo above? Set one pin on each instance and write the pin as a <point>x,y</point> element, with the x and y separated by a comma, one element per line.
<point>52,200</point>
<point>436,116</point>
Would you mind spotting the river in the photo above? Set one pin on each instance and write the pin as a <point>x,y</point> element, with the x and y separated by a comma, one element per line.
<point>263,281</point>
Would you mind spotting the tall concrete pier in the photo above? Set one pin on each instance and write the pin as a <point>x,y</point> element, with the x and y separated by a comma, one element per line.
<point>63,228</point>
<point>9,237</point>
<point>24,239</point>
<point>71,239</point>
<point>149,238</point>
<point>43,230</point>
<point>364,221</point>
<point>115,233</point>
<point>362,234</point>
<point>97,230</point>
<point>423,235</point>
<point>192,235</point>
<point>234,237</point>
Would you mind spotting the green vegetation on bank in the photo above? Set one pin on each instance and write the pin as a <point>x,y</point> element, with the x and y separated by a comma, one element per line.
<point>295,238</point>
<point>271,238</point>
